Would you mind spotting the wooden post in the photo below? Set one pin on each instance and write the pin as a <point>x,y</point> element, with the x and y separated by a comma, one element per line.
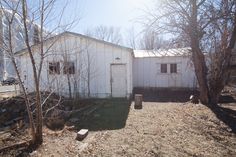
<point>138,99</point>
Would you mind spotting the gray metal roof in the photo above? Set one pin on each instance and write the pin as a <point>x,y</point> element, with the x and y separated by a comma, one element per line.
<point>162,52</point>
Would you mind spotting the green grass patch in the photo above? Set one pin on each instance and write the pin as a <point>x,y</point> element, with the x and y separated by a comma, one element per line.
<point>109,114</point>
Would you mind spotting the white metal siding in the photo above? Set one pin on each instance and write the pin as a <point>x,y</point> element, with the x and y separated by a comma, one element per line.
<point>147,72</point>
<point>102,56</point>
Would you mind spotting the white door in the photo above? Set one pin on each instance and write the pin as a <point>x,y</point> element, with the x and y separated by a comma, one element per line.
<point>118,80</point>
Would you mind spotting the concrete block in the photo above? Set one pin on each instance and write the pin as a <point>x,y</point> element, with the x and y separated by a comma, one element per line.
<point>82,134</point>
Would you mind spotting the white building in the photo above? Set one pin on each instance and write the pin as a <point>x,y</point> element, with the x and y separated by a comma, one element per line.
<point>163,69</point>
<point>79,65</point>
<point>6,67</point>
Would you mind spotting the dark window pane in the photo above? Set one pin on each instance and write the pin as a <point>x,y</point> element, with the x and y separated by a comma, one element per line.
<point>163,68</point>
<point>173,68</point>
<point>54,68</point>
<point>69,68</point>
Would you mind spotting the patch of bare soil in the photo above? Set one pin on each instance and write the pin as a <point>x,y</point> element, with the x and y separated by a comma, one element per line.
<point>167,129</point>
<point>61,143</point>
<point>159,129</point>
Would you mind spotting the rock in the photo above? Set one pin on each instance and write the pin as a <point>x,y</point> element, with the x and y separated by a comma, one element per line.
<point>191,97</point>
<point>194,99</point>
<point>82,134</point>
<point>34,153</point>
<point>229,130</point>
<point>70,128</point>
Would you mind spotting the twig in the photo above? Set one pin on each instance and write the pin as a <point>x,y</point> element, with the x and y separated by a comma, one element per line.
<point>52,107</point>
<point>16,146</point>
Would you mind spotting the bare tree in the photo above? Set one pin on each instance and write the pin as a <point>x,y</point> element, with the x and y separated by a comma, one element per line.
<point>19,11</point>
<point>109,34</point>
<point>8,47</point>
<point>71,65</point>
<point>90,71</point>
<point>151,40</point>
<point>201,22</point>
<point>148,39</point>
<point>132,38</point>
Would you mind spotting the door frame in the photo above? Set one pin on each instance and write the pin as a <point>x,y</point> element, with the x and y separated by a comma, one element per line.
<point>112,64</point>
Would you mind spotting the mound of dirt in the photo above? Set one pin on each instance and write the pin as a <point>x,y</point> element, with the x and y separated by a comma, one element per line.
<point>14,109</point>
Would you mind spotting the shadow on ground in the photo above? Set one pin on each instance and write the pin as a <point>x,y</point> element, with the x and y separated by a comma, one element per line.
<point>165,94</point>
<point>104,114</point>
<point>227,99</point>
<point>226,115</point>
<point>226,111</point>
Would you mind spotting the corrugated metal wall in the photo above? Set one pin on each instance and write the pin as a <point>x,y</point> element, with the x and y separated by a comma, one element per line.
<point>101,56</point>
<point>147,72</point>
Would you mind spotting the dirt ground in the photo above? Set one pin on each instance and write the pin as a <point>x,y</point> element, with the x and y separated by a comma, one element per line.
<point>159,129</point>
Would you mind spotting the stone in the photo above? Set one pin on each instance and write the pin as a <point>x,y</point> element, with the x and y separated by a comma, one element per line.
<point>81,134</point>
<point>34,153</point>
<point>71,128</point>
<point>194,99</point>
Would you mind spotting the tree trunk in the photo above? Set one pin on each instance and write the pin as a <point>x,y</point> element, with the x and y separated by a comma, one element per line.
<point>27,103</point>
<point>39,118</point>
<point>201,74</point>
<point>214,98</point>
<point>197,56</point>
<point>222,74</point>
<point>69,85</point>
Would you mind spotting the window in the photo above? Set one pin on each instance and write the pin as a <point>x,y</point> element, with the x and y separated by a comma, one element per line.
<point>69,68</point>
<point>173,68</point>
<point>54,68</point>
<point>163,68</point>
